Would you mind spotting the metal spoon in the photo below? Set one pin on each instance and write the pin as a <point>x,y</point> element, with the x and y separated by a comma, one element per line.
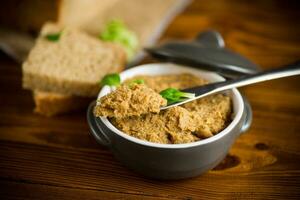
<point>202,91</point>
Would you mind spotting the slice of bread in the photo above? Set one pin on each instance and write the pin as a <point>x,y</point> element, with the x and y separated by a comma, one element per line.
<point>73,65</point>
<point>50,104</point>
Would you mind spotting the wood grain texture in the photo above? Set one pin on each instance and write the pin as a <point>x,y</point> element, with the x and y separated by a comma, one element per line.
<point>56,158</point>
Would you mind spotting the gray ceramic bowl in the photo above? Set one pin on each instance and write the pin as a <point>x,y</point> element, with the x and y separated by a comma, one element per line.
<point>170,161</point>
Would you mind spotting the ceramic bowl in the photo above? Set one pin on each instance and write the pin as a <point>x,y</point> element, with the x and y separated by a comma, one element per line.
<point>170,161</point>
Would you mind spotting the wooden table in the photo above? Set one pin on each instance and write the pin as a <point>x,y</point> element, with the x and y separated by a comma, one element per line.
<point>56,158</point>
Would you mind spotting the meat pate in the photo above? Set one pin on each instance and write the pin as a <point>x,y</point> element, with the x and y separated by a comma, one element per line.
<point>130,100</point>
<point>190,122</point>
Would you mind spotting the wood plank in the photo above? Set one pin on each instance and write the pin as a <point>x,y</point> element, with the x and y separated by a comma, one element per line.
<point>57,158</point>
<point>248,168</point>
<point>32,191</point>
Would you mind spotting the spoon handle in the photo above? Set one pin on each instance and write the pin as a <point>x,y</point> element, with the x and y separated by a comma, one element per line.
<point>289,70</point>
<point>202,91</point>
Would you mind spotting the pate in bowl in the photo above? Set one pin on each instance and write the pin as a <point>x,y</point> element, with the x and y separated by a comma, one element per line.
<point>165,160</point>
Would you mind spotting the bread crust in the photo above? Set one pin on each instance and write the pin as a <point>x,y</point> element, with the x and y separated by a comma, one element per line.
<point>50,104</point>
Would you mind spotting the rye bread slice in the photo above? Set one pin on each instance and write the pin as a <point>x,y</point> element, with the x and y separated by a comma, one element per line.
<point>73,65</point>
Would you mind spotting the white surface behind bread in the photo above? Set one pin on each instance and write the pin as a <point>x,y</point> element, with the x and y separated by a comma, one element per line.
<point>73,65</point>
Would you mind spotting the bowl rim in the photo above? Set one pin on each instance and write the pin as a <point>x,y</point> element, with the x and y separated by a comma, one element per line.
<point>235,121</point>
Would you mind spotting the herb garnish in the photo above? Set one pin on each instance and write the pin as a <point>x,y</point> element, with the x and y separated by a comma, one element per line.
<point>172,95</point>
<point>111,80</point>
<point>138,81</point>
<point>53,37</point>
<point>116,31</point>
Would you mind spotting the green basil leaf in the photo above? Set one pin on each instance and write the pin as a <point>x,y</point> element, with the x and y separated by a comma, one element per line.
<point>53,37</point>
<point>111,80</point>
